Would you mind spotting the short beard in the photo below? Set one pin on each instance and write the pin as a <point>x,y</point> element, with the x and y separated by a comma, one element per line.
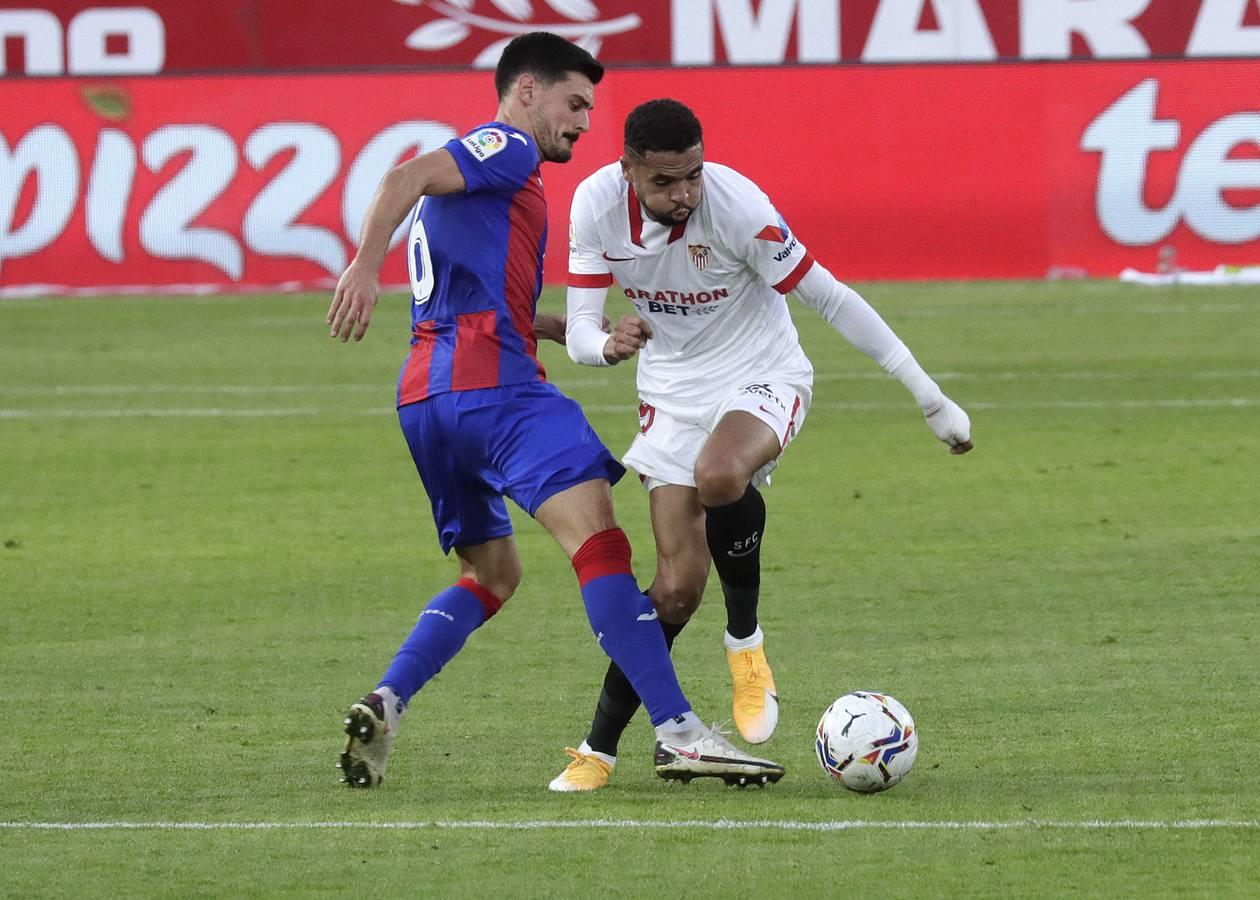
<point>561,151</point>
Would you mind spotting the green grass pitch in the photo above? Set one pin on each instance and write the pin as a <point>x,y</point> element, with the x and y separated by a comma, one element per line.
<point>212,540</point>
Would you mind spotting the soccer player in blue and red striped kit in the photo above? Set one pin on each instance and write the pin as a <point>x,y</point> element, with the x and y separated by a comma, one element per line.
<point>483,423</point>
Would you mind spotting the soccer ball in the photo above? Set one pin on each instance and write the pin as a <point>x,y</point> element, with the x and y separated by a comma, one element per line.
<point>866,741</point>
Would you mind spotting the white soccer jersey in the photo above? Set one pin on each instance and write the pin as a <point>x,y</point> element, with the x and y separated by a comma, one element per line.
<point>712,288</point>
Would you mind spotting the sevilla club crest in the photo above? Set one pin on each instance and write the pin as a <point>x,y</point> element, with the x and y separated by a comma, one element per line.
<point>699,256</point>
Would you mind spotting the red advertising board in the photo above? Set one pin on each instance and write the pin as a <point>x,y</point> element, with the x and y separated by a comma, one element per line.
<point>117,37</point>
<point>885,172</point>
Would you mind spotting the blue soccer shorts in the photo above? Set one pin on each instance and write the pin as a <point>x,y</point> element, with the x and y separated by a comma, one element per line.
<point>526,442</point>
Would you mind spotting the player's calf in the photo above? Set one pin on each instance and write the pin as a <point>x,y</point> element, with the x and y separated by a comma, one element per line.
<point>626,624</point>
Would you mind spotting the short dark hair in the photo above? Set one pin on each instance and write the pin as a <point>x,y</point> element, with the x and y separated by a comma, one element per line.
<point>663,125</point>
<point>546,56</point>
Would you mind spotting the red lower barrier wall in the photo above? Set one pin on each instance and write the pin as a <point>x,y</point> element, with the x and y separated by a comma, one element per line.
<point>902,172</point>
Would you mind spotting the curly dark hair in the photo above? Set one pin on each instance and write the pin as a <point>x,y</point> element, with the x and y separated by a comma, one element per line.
<point>663,125</point>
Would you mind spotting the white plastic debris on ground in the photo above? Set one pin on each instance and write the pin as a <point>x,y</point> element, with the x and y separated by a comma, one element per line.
<point>1221,275</point>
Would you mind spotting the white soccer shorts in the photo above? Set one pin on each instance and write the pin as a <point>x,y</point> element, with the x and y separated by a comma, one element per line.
<point>667,445</point>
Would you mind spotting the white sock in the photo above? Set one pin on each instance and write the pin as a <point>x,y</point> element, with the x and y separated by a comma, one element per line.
<point>752,642</point>
<point>680,729</point>
<point>394,707</point>
<point>585,748</point>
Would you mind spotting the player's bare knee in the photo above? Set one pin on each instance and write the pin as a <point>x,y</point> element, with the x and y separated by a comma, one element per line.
<point>676,602</point>
<point>576,514</point>
<point>507,580</point>
<point>502,579</point>
<point>719,484</point>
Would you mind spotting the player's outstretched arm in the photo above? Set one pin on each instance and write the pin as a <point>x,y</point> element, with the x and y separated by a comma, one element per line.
<point>402,187</point>
<point>863,327</point>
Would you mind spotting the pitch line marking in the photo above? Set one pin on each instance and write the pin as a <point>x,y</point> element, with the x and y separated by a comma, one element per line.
<point>198,413</point>
<point>249,390</point>
<point>694,824</point>
<point>215,412</point>
<point>244,390</point>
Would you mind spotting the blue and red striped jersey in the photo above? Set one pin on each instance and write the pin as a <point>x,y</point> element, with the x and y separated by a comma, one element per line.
<point>476,261</point>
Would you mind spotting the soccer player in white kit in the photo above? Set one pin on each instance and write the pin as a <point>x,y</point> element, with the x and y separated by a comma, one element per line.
<point>723,384</point>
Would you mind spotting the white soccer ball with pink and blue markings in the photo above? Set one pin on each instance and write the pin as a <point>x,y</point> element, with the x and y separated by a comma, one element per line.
<point>867,741</point>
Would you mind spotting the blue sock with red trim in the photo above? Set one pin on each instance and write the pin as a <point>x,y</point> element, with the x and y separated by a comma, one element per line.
<point>439,634</point>
<point>625,623</point>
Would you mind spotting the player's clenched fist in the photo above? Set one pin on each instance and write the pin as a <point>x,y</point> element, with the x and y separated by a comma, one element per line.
<point>628,338</point>
<point>950,424</point>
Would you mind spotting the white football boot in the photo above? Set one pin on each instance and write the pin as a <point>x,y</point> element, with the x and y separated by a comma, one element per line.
<point>711,755</point>
<point>371,727</point>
